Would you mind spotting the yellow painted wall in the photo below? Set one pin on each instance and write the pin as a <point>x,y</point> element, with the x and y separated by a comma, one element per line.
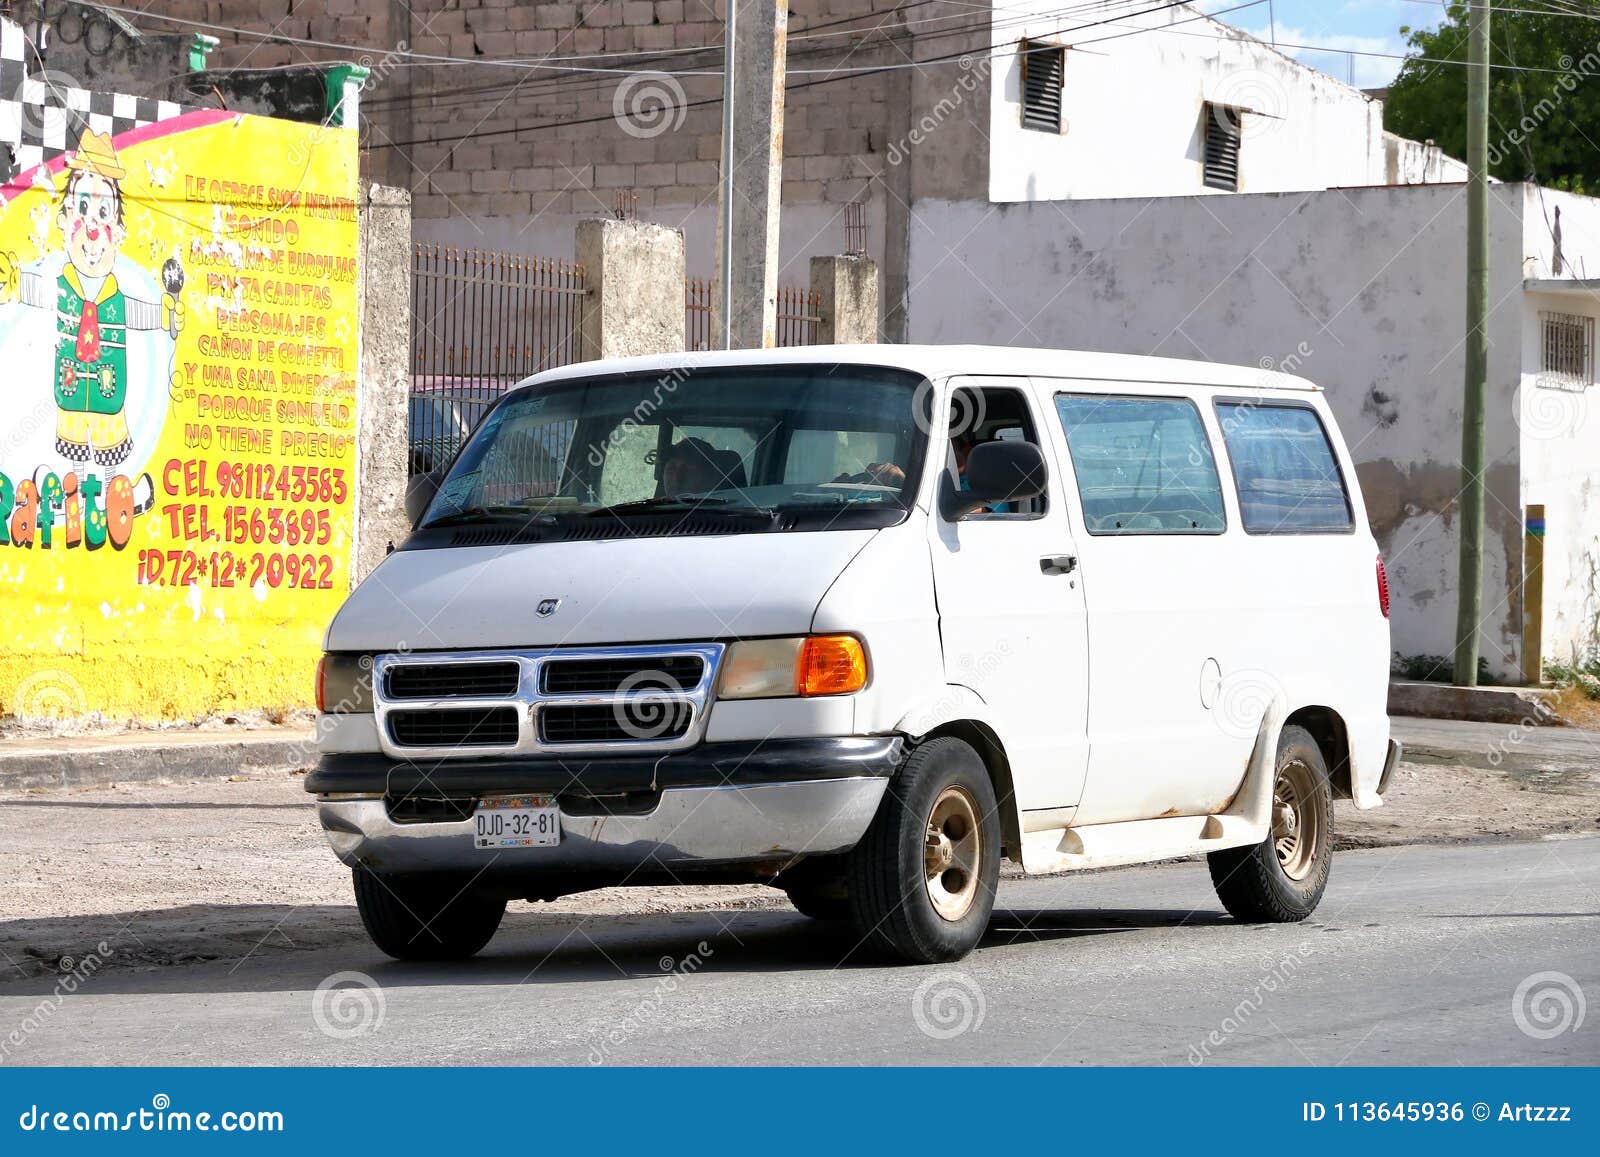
<point>237,393</point>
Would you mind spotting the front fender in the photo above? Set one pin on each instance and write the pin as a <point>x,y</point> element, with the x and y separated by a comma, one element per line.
<point>952,703</point>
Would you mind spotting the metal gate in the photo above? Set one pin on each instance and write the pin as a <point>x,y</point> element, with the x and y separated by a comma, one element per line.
<point>481,321</point>
<point>799,312</point>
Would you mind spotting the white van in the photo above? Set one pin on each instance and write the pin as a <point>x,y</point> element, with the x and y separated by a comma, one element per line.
<point>859,622</point>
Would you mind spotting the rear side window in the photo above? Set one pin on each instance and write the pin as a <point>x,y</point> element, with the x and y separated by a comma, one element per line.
<point>1283,465</point>
<point>1144,465</point>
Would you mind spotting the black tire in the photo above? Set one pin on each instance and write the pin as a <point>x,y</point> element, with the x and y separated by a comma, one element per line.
<point>1253,883</point>
<point>423,917</point>
<point>891,904</point>
<point>822,894</point>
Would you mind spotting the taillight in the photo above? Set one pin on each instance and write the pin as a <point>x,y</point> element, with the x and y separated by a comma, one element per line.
<point>1383,588</point>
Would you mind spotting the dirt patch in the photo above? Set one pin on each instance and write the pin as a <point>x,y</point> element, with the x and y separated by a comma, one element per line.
<point>165,873</point>
<point>1452,803</point>
<point>1576,708</point>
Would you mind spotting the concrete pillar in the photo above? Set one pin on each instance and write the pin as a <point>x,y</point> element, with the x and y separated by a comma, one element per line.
<point>634,286</point>
<point>761,40</point>
<point>847,292</point>
<point>383,440</point>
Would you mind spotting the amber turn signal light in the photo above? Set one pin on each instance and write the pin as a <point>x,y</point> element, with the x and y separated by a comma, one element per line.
<point>832,665</point>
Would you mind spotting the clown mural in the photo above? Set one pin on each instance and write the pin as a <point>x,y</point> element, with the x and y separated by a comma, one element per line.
<point>97,320</point>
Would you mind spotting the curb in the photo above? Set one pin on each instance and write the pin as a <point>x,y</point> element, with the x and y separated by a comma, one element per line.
<point>72,763</point>
<point>1520,705</point>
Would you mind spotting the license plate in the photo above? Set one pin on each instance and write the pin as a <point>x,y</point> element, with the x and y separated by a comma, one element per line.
<point>524,821</point>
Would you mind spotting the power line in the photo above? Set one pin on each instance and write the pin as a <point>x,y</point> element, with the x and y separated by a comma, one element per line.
<point>584,88</point>
<point>949,58</point>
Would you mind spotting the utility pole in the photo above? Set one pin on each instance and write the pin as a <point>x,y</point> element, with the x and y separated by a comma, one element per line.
<point>730,37</point>
<point>1470,583</point>
<point>752,173</point>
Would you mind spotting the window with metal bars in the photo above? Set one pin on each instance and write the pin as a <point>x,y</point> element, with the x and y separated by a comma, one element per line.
<point>1566,349</point>
<point>1043,68</point>
<point>1222,125</point>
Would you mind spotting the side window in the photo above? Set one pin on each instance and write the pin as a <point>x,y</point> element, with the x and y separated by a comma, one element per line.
<point>991,415</point>
<point>1144,465</point>
<point>1283,465</point>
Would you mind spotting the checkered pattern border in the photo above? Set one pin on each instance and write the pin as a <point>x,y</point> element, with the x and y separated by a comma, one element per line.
<point>42,116</point>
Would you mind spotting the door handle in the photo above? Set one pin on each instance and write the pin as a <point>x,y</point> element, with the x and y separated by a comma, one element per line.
<point>1059,563</point>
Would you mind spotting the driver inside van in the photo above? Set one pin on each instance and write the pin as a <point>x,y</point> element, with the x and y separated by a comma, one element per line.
<point>695,466</point>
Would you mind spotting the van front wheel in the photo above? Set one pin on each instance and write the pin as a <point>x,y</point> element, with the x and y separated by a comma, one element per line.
<point>423,917</point>
<point>1281,879</point>
<point>922,880</point>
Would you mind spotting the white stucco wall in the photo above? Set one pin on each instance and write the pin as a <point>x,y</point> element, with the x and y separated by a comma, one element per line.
<point>1408,162</point>
<point>1132,106</point>
<point>1360,290</point>
<point>1561,428</point>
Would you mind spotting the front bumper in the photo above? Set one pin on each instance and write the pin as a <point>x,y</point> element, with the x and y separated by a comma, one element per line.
<point>758,805</point>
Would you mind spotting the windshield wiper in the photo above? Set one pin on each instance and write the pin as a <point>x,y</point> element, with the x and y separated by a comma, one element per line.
<point>471,514</point>
<point>670,503</point>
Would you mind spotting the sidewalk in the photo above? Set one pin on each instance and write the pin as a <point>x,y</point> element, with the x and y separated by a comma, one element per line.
<point>71,761</point>
<point>219,869</point>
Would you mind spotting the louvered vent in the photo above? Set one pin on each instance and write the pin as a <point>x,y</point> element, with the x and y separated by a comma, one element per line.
<point>1222,147</point>
<point>1043,66</point>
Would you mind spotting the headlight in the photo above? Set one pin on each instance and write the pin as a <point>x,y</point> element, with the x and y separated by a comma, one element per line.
<point>344,685</point>
<point>781,668</point>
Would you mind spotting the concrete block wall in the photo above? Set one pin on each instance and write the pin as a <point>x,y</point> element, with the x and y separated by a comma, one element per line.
<point>548,150</point>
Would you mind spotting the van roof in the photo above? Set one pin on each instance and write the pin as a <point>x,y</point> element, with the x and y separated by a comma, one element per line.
<point>936,361</point>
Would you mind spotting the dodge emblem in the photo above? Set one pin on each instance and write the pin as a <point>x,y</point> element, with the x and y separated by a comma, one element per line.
<point>547,607</point>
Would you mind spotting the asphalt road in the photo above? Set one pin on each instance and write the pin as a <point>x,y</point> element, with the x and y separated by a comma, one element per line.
<point>1415,957</point>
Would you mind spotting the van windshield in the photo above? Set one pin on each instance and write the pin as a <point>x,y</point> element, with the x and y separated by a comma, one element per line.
<point>731,444</point>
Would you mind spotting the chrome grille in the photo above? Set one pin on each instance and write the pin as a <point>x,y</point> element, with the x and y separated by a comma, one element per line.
<point>456,727</point>
<point>570,723</point>
<point>452,680</point>
<point>558,701</point>
<point>606,676</point>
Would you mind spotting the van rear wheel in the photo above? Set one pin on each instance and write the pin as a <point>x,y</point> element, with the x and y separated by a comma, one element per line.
<point>425,917</point>
<point>922,880</point>
<point>1281,879</point>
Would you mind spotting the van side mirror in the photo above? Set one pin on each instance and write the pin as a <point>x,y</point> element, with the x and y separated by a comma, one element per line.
<point>996,472</point>
<point>420,489</point>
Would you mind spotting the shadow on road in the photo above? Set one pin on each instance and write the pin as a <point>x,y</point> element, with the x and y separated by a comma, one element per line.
<point>273,948</point>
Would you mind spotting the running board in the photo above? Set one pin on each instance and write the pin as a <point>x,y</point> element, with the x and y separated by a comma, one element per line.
<point>1135,842</point>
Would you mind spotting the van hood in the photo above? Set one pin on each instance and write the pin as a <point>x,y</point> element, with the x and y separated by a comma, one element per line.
<point>626,590</point>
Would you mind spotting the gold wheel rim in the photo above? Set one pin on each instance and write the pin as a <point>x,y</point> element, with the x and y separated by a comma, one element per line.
<point>1297,820</point>
<point>952,853</point>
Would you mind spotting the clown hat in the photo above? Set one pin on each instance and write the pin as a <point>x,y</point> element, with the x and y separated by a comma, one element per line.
<point>95,155</point>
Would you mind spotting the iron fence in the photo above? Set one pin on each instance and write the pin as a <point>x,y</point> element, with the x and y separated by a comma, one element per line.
<point>481,321</point>
<point>799,312</point>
